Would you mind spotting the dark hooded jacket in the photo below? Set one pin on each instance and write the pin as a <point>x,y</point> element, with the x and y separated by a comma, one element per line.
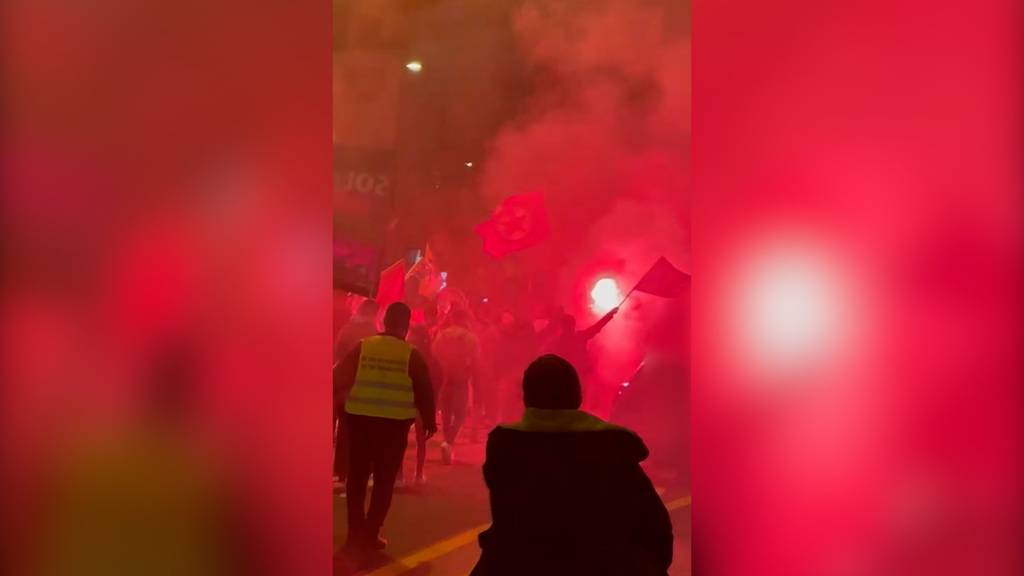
<point>568,496</point>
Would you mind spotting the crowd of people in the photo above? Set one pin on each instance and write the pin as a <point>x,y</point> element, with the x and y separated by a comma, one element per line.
<point>524,383</point>
<point>475,359</point>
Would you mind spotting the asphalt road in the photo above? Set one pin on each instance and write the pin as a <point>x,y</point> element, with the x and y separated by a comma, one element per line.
<point>432,530</point>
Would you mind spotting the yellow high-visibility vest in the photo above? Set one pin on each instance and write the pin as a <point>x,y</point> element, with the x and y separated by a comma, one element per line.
<point>383,387</point>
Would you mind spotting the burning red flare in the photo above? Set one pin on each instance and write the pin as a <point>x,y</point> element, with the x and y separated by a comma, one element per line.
<point>605,295</point>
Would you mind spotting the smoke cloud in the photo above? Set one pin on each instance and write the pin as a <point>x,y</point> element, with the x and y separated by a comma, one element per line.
<point>605,134</point>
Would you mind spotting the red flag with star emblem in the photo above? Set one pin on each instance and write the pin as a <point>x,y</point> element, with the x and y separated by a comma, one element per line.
<point>519,222</point>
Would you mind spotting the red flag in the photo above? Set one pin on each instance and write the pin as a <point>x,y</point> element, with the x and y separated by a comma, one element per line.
<point>519,222</point>
<point>391,287</point>
<point>422,267</point>
<point>424,277</point>
<point>663,279</point>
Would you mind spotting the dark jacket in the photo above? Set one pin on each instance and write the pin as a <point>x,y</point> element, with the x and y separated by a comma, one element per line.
<point>568,496</point>
<point>572,345</point>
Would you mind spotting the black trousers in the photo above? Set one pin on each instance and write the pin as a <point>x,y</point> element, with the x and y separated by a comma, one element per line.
<point>454,400</point>
<point>375,445</point>
<point>340,448</point>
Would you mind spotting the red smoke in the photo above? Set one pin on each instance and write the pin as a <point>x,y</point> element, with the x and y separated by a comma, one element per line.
<point>605,134</point>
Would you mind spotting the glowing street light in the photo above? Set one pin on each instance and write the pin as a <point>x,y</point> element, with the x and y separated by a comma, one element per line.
<point>415,66</point>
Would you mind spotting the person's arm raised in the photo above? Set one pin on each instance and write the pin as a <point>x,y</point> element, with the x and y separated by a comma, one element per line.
<point>600,324</point>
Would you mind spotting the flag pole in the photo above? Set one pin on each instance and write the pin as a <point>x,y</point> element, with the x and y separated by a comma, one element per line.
<point>628,294</point>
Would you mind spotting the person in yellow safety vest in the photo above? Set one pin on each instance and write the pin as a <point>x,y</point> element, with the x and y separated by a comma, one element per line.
<point>383,383</point>
<point>362,325</point>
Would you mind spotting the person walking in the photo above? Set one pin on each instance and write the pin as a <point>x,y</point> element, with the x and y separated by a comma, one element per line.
<point>567,493</point>
<point>457,350</point>
<point>385,383</point>
<point>419,337</point>
<point>362,325</point>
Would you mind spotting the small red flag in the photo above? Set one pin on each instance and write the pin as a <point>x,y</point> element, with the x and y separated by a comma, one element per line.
<point>424,276</point>
<point>391,287</point>
<point>519,222</point>
<point>664,279</point>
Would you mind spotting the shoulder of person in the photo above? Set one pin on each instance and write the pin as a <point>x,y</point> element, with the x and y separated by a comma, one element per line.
<point>627,443</point>
<point>617,442</point>
<point>499,434</point>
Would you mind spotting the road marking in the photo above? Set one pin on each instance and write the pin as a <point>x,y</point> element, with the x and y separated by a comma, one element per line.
<point>678,503</point>
<point>444,547</point>
<point>429,553</point>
